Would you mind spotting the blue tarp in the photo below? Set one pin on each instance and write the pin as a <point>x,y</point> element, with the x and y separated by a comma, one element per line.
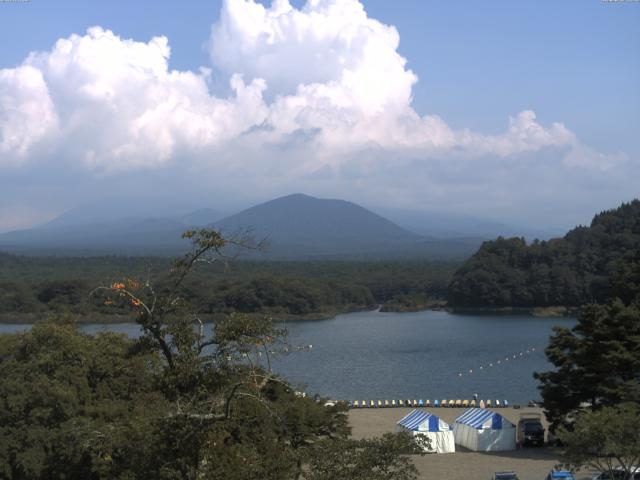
<point>561,474</point>
<point>416,418</point>
<point>477,417</point>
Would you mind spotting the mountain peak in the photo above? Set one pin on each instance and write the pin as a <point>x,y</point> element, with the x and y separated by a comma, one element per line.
<point>318,225</point>
<point>296,196</point>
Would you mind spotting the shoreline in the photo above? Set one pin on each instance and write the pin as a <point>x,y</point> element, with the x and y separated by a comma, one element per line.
<point>552,311</point>
<point>19,318</point>
<point>436,306</point>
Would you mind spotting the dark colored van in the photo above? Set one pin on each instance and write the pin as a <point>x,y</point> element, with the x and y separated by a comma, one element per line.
<point>530,430</point>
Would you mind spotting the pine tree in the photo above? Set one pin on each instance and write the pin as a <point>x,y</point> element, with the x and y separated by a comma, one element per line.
<point>597,361</point>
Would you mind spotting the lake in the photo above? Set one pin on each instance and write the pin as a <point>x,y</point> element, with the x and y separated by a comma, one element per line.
<point>428,354</point>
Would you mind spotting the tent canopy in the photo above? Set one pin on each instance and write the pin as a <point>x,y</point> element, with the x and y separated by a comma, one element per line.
<point>439,433</point>
<point>483,430</point>
<point>424,422</point>
<point>480,418</point>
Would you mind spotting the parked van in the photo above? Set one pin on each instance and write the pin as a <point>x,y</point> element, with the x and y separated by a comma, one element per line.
<point>530,430</point>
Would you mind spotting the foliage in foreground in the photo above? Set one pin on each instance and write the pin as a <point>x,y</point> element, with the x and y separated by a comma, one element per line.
<point>597,362</point>
<point>75,405</point>
<point>176,403</point>
<point>592,398</point>
<point>604,440</point>
<point>366,459</point>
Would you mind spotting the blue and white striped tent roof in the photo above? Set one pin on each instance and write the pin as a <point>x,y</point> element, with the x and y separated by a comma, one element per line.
<point>424,422</point>
<point>479,418</point>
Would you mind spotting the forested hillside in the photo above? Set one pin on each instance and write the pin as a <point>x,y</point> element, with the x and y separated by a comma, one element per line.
<point>583,266</point>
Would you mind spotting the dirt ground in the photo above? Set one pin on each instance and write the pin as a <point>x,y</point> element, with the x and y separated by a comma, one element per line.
<point>528,463</point>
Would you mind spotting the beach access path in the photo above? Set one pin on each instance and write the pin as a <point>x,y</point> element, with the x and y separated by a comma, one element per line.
<point>528,463</point>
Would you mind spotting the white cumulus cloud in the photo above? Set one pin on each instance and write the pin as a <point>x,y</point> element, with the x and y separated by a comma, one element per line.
<point>329,49</point>
<point>112,104</point>
<point>119,106</point>
<point>27,113</point>
<point>334,70</point>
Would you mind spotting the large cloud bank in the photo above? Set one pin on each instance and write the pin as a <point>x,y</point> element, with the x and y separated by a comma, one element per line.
<point>324,84</point>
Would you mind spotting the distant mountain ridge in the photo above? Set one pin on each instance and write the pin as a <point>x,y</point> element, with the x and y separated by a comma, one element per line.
<point>132,236</point>
<point>88,232</point>
<point>297,226</point>
<point>455,225</point>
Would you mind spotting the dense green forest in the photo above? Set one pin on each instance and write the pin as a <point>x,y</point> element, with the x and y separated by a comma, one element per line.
<point>582,267</point>
<point>33,287</point>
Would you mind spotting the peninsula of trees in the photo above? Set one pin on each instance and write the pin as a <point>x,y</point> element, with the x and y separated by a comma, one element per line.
<point>581,267</point>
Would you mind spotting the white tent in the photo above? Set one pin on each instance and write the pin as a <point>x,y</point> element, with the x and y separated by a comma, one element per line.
<point>483,430</point>
<point>424,423</point>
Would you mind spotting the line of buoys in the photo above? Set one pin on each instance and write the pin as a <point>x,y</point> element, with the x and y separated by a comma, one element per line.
<point>304,348</point>
<point>515,356</point>
<point>427,403</point>
<point>287,349</point>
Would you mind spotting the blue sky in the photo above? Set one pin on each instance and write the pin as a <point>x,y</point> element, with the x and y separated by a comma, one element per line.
<point>477,64</point>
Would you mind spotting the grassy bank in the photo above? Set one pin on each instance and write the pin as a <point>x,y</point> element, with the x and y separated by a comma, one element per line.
<point>558,311</point>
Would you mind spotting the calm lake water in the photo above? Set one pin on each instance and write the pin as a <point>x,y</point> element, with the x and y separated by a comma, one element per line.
<point>375,355</point>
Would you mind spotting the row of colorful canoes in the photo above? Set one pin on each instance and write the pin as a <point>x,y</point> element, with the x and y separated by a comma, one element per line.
<point>428,403</point>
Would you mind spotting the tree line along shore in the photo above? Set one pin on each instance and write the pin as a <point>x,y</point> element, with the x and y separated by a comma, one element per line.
<point>32,288</point>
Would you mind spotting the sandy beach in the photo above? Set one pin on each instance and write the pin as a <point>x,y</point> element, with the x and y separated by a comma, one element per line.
<point>528,463</point>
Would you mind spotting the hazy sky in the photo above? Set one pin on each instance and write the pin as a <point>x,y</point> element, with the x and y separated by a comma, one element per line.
<point>525,112</point>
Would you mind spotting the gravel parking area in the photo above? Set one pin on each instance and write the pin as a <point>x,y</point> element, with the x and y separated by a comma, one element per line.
<point>529,463</point>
